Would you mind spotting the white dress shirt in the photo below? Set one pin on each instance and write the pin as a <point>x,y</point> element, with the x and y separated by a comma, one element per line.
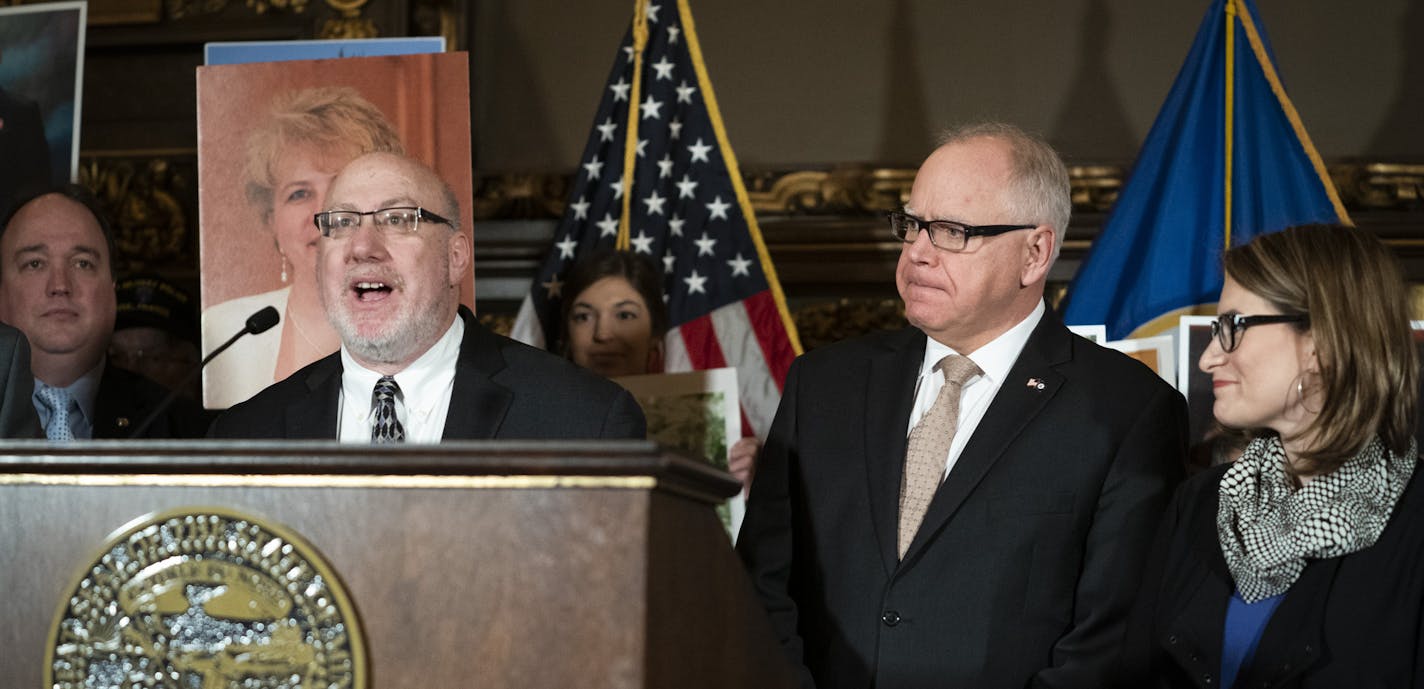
<point>425,388</point>
<point>994,359</point>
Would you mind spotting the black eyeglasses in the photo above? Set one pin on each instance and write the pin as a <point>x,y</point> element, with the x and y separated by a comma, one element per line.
<point>944,234</point>
<point>397,220</point>
<point>1228,327</point>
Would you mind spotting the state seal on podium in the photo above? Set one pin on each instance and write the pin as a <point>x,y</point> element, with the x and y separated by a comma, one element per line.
<point>205,598</point>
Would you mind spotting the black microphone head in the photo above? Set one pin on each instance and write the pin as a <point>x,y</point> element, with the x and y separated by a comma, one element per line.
<point>263,320</point>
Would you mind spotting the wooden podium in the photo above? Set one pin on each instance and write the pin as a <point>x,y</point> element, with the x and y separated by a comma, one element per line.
<point>501,564</point>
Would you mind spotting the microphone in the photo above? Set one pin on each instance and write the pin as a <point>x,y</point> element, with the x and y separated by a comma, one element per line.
<point>259,322</point>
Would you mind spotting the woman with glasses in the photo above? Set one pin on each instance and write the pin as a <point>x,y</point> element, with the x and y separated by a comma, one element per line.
<point>306,137</point>
<point>1302,563</point>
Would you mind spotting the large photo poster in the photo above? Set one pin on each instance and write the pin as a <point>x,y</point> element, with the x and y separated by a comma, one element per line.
<point>271,136</point>
<point>41,79</point>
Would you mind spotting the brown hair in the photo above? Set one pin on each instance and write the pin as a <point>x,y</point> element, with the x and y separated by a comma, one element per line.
<point>645,278</point>
<point>1353,290</point>
<point>328,118</point>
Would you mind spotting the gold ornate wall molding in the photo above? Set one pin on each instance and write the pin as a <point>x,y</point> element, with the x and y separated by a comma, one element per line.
<point>860,189</point>
<point>152,203</point>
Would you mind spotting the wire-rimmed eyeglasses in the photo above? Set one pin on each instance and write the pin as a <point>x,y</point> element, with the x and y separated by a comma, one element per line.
<point>395,220</point>
<point>944,234</point>
<point>1229,327</point>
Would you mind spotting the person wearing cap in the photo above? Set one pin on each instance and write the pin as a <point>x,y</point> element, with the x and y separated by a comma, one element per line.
<point>156,333</point>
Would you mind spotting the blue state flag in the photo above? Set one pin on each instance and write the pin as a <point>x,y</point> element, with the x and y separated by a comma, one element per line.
<point>1226,160</point>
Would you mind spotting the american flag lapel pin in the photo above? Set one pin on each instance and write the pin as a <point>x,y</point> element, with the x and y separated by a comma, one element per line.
<point>1035,383</point>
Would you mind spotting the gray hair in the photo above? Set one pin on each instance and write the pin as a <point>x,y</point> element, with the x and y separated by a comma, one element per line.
<point>1039,190</point>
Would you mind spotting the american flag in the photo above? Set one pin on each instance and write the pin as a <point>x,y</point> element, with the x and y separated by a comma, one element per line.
<point>687,210</point>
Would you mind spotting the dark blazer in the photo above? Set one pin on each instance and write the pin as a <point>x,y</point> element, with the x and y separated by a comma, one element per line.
<point>17,387</point>
<point>1353,621</point>
<point>126,398</point>
<point>503,389</point>
<point>1025,565</point>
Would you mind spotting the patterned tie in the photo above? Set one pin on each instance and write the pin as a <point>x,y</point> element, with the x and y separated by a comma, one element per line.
<point>58,401</point>
<point>386,427</point>
<point>929,447</point>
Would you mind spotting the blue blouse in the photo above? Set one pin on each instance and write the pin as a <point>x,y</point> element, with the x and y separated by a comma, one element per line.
<point>1244,624</point>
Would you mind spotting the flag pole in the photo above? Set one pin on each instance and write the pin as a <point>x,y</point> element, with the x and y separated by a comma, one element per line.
<point>1230,115</point>
<point>630,144</point>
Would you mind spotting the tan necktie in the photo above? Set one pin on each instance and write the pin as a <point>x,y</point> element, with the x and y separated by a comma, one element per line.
<point>929,447</point>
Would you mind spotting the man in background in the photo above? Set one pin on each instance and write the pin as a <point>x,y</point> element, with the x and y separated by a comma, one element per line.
<point>57,286</point>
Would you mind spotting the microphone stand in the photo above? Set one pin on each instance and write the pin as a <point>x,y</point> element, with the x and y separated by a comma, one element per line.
<point>254,326</point>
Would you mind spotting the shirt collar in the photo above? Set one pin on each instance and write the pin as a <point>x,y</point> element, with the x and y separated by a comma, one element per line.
<point>84,390</point>
<point>439,361</point>
<point>995,358</point>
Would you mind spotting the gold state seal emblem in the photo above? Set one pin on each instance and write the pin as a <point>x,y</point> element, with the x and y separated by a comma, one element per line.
<point>205,599</point>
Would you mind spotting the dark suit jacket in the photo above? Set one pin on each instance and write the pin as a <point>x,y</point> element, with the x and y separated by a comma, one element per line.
<point>17,387</point>
<point>1025,565</point>
<point>1351,621</point>
<point>503,389</point>
<point>126,398</point>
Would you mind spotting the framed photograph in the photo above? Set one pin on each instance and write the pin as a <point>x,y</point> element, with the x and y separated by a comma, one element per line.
<point>241,52</point>
<point>1159,353</point>
<point>41,89</point>
<point>271,137</point>
<point>696,412</point>
<point>1193,336</point>
<point>1097,333</point>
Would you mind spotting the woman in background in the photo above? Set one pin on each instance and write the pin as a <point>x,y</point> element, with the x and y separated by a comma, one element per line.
<point>1302,563</point>
<point>615,322</point>
<point>292,156</point>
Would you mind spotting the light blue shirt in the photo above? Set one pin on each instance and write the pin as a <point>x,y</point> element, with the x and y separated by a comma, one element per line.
<point>84,392</point>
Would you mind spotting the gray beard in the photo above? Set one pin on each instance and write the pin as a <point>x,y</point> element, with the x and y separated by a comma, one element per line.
<point>402,336</point>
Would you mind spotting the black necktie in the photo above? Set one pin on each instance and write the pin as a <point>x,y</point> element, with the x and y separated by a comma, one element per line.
<point>386,427</point>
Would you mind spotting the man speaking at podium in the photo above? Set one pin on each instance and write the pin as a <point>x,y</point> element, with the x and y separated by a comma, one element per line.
<point>414,365</point>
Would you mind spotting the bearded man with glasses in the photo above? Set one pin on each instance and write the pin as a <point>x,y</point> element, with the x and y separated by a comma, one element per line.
<point>966,502</point>
<point>414,365</point>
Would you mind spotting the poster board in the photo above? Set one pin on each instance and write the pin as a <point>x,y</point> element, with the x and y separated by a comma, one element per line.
<point>257,251</point>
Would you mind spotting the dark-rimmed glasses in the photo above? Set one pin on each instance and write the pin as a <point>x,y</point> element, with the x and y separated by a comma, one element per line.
<point>1228,327</point>
<point>396,220</point>
<point>944,234</point>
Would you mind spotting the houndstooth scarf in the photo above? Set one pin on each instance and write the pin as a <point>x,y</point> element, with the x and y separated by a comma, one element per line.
<point>1268,529</point>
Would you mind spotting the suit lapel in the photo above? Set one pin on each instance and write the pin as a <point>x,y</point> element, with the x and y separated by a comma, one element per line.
<point>889,396</point>
<point>313,415</point>
<point>477,403</point>
<point>1030,384</point>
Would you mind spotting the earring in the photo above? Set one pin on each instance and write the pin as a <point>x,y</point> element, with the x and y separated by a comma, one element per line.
<point>1300,391</point>
<point>284,269</point>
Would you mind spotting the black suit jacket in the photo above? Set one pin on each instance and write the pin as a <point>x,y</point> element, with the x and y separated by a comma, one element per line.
<point>17,387</point>
<point>1024,567</point>
<point>1351,621</point>
<point>126,398</point>
<point>503,389</point>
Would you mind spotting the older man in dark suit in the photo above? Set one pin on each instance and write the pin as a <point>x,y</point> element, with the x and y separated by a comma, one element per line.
<point>968,502</point>
<point>414,365</point>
